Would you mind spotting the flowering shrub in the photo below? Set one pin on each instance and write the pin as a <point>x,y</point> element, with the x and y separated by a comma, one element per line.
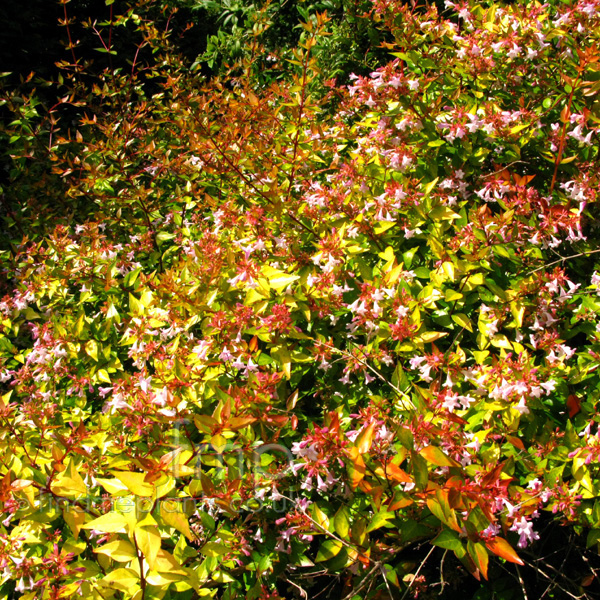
<point>279,341</point>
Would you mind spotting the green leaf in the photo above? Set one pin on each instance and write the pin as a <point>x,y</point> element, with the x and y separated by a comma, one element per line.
<point>380,520</point>
<point>164,236</point>
<point>328,549</point>
<point>449,540</point>
<point>593,537</point>
<point>341,522</point>
<point>214,549</point>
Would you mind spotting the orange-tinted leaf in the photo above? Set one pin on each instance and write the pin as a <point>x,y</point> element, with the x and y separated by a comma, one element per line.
<point>377,493</point>
<point>398,501</point>
<point>236,423</point>
<point>356,467</point>
<point>292,399</point>
<point>500,547</point>
<point>365,439</point>
<point>253,345</point>
<point>435,456</point>
<point>515,441</point>
<point>397,474</point>
<point>365,486</point>
<point>477,551</point>
<point>492,477</point>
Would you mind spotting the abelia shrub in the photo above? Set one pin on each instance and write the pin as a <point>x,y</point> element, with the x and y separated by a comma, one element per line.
<point>303,342</point>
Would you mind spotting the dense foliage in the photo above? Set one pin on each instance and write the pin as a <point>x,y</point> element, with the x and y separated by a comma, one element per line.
<point>273,335</point>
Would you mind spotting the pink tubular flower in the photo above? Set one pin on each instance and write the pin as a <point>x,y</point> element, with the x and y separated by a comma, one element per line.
<point>525,530</point>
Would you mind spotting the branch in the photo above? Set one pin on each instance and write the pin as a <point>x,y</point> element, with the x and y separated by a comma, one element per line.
<point>560,260</point>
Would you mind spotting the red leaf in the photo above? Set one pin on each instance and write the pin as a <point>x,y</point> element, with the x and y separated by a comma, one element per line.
<point>574,405</point>
<point>587,580</point>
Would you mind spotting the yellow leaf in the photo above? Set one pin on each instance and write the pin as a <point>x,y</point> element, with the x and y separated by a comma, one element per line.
<point>501,341</point>
<point>432,336</point>
<point>462,320</point>
<point>387,255</point>
<point>69,483</point>
<point>282,354</point>
<point>172,515</point>
<point>320,517</point>
<point>112,522</point>
<point>165,579</point>
<point>451,295</point>
<point>91,349</point>
<point>113,486</point>
<point>103,376</point>
<point>166,563</point>
<point>134,482</point>
<point>148,541</point>
<point>429,186</point>
<point>121,579</point>
<point>382,226</point>
<point>164,488</point>
<point>120,550</point>
<point>74,518</point>
<point>146,298</point>
<point>448,268</point>
<point>29,532</point>
<point>135,306</point>
<point>278,280</point>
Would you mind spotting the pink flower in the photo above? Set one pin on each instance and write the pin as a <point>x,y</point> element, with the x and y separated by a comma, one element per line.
<point>526,533</point>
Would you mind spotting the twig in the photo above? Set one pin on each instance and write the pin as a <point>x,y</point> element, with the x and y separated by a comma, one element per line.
<point>562,259</point>
<point>140,557</point>
<point>355,591</point>
<point>303,592</point>
<point>403,395</point>
<point>544,574</point>
<point>514,162</point>
<point>442,582</point>
<point>387,585</point>
<point>563,138</point>
<point>417,573</point>
<point>524,590</point>
<point>332,535</point>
